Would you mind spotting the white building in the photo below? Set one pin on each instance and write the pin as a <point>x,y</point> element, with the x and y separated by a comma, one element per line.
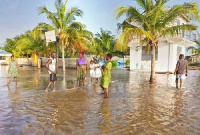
<point>4,56</point>
<point>167,52</point>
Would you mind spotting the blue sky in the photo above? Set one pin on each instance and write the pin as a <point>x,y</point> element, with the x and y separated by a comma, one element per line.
<point>18,16</point>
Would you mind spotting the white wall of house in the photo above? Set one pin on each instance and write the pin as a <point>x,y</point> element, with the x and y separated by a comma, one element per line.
<point>167,57</point>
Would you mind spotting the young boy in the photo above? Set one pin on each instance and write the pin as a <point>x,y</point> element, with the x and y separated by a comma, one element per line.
<point>181,70</point>
<point>51,66</point>
<point>106,75</point>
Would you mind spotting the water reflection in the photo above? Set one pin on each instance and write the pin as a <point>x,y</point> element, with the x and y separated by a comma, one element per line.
<point>134,106</point>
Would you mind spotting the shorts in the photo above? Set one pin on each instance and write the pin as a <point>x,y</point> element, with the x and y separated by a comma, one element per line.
<point>181,76</point>
<point>53,77</point>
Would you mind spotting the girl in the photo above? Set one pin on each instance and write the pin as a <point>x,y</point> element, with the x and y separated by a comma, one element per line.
<point>106,75</point>
<point>81,67</point>
<point>12,70</point>
<point>98,73</point>
<point>92,71</point>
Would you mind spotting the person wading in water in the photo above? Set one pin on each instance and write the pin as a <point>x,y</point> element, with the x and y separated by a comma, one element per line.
<point>12,70</point>
<point>181,70</point>
<point>81,68</point>
<point>52,69</point>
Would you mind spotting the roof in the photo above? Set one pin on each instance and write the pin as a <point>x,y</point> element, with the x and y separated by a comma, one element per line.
<point>4,53</point>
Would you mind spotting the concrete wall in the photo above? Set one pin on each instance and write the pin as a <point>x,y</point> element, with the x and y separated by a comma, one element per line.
<point>24,61</point>
<point>70,62</point>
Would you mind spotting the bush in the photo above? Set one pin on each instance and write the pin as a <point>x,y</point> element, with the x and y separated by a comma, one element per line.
<point>127,63</point>
<point>114,64</point>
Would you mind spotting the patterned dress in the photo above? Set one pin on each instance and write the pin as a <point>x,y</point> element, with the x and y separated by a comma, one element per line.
<point>12,72</point>
<point>81,69</point>
<point>106,75</point>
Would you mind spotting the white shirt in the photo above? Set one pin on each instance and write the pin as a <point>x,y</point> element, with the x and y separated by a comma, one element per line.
<point>52,65</point>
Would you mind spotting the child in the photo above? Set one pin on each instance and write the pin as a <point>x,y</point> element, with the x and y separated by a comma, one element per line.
<point>12,70</point>
<point>92,71</point>
<point>181,70</point>
<point>106,75</point>
<point>98,73</point>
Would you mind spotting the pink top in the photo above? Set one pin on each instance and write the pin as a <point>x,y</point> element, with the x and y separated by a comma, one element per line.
<point>82,61</point>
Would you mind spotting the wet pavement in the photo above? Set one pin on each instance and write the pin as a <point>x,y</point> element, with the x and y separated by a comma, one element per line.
<point>134,107</point>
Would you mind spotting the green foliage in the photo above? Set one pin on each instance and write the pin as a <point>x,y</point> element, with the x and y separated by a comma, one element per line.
<point>195,50</point>
<point>152,21</point>
<point>30,42</point>
<point>114,64</point>
<point>72,35</point>
<point>104,42</point>
<point>127,63</point>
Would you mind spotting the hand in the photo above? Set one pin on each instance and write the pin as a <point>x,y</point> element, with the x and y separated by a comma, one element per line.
<point>53,72</point>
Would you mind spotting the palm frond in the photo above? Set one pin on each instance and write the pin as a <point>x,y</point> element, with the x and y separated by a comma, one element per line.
<point>178,29</point>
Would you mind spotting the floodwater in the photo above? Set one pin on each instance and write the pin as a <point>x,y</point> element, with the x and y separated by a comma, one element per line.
<point>135,107</point>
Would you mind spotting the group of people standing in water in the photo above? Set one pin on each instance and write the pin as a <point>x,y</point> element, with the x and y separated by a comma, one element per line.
<point>96,69</point>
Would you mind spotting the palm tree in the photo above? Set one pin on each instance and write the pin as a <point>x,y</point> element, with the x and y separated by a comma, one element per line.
<point>152,22</point>
<point>33,44</point>
<point>104,43</point>
<point>70,33</point>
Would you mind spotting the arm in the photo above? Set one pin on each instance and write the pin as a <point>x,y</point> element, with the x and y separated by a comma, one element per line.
<point>86,66</point>
<point>76,64</point>
<point>17,66</point>
<point>186,69</point>
<point>47,65</point>
<point>56,67</point>
<point>176,69</point>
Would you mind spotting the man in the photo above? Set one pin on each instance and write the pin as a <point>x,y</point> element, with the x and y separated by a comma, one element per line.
<point>181,70</point>
<point>51,66</point>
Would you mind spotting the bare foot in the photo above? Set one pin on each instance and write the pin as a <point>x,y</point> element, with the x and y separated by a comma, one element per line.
<point>46,91</point>
<point>53,90</point>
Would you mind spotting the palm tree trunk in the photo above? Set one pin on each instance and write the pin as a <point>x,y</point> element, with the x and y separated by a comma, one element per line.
<point>34,60</point>
<point>63,56</point>
<point>153,63</point>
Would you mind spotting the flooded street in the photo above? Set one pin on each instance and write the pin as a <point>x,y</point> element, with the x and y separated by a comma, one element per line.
<point>134,106</point>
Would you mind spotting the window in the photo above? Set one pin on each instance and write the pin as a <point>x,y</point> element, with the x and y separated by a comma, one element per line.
<point>146,56</point>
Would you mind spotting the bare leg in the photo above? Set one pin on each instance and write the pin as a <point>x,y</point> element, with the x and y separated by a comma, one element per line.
<point>83,82</point>
<point>91,80</point>
<point>8,81</point>
<point>54,86</point>
<point>106,93</point>
<point>48,86</point>
<point>77,83</point>
<point>97,80</point>
<point>15,80</point>
<point>181,83</point>
<point>177,83</point>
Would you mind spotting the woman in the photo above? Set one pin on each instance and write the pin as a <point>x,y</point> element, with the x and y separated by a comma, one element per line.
<point>106,75</point>
<point>12,70</point>
<point>81,67</point>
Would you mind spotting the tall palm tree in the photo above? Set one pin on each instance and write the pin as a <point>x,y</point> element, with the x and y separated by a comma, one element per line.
<point>152,22</point>
<point>70,33</point>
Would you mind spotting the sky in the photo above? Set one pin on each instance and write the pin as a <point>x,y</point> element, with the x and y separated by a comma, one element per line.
<point>18,16</point>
